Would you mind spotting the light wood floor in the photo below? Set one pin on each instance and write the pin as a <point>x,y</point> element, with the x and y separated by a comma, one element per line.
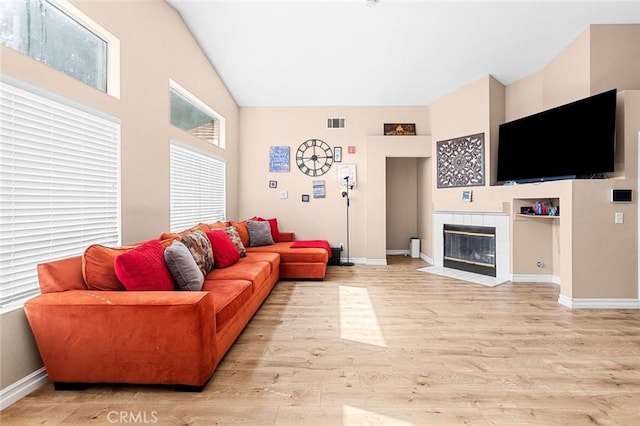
<point>393,346</point>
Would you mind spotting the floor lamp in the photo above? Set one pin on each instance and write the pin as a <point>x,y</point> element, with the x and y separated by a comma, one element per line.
<point>345,194</point>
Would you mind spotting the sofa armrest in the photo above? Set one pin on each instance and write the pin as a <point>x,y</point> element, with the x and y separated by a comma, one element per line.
<point>89,336</point>
<point>287,237</point>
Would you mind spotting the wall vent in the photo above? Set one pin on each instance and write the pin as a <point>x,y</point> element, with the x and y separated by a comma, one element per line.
<point>336,123</point>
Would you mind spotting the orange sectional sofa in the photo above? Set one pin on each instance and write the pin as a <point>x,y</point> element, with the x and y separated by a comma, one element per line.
<point>87,335</point>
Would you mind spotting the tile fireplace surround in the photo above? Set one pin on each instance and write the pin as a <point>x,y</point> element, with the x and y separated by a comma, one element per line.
<point>498,220</point>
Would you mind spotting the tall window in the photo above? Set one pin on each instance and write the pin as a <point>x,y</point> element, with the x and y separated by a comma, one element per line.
<point>55,33</point>
<point>194,116</point>
<point>59,184</point>
<point>197,187</point>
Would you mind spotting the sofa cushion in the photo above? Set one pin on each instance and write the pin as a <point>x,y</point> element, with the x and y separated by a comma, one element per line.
<point>229,297</point>
<point>61,275</point>
<point>219,225</point>
<point>288,254</point>
<point>98,269</point>
<point>200,247</point>
<point>183,267</point>
<point>275,232</point>
<point>225,252</point>
<point>232,232</point>
<point>143,268</point>
<point>259,233</point>
<point>177,235</point>
<point>242,231</point>
<point>272,258</point>
<point>256,272</point>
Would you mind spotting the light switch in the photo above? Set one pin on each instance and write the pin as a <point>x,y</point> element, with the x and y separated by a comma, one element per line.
<point>619,217</point>
<point>284,195</point>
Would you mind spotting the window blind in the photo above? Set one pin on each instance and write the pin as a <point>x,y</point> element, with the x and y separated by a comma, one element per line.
<point>197,188</point>
<point>59,184</point>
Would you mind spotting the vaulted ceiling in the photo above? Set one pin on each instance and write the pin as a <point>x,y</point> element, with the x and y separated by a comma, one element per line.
<point>395,52</point>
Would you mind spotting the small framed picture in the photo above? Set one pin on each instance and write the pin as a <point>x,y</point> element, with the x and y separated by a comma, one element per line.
<point>305,198</point>
<point>466,196</point>
<point>273,184</point>
<point>337,154</point>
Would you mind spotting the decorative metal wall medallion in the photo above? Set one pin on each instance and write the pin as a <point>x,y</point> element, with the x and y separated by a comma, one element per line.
<point>461,161</point>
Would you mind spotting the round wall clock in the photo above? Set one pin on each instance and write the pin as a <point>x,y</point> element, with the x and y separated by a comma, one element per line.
<point>314,157</point>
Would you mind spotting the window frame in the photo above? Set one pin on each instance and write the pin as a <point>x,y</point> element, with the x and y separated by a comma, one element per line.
<point>204,108</point>
<point>113,45</point>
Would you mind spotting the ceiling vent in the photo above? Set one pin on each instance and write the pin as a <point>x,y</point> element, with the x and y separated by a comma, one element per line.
<point>336,123</point>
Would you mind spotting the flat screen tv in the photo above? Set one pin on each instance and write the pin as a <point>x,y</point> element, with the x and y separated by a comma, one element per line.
<point>576,140</point>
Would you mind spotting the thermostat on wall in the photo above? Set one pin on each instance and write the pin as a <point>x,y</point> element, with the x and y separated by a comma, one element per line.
<point>621,195</point>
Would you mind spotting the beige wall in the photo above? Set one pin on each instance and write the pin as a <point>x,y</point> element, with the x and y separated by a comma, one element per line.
<point>155,46</point>
<point>326,218</point>
<point>567,77</point>
<point>615,57</point>
<point>571,248</point>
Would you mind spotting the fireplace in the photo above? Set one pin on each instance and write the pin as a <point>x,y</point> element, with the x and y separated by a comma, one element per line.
<point>470,248</point>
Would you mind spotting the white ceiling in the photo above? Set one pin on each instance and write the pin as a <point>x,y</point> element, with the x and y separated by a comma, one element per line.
<point>398,52</point>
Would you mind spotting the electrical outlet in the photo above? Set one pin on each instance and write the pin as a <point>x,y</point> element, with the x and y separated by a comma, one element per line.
<point>619,217</point>
<point>341,246</point>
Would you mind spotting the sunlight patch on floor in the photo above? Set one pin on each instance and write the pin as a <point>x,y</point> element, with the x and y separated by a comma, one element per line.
<point>352,416</point>
<point>358,320</point>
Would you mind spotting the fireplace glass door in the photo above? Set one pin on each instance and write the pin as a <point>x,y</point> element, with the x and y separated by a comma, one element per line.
<point>470,248</point>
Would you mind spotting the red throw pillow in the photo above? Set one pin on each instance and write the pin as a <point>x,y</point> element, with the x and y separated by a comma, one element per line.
<point>275,232</point>
<point>143,268</point>
<point>225,252</point>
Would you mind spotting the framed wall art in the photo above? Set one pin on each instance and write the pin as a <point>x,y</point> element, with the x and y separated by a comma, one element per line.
<point>279,159</point>
<point>337,154</point>
<point>344,171</point>
<point>393,129</point>
<point>460,161</point>
<point>319,189</point>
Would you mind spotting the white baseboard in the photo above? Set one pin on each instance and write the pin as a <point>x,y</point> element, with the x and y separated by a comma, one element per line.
<point>407,253</point>
<point>23,387</point>
<point>535,278</point>
<point>397,252</point>
<point>599,303</point>
<point>357,260</point>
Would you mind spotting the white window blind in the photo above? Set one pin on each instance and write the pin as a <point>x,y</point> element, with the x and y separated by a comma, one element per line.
<point>59,185</point>
<point>197,188</point>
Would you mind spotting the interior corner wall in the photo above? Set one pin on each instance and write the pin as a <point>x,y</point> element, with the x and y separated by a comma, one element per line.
<point>425,207</point>
<point>464,112</point>
<point>568,77</point>
<point>524,97</point>
<point>496,117</point>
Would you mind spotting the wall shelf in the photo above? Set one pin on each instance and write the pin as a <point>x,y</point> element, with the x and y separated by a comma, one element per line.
<point>537,216</point>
